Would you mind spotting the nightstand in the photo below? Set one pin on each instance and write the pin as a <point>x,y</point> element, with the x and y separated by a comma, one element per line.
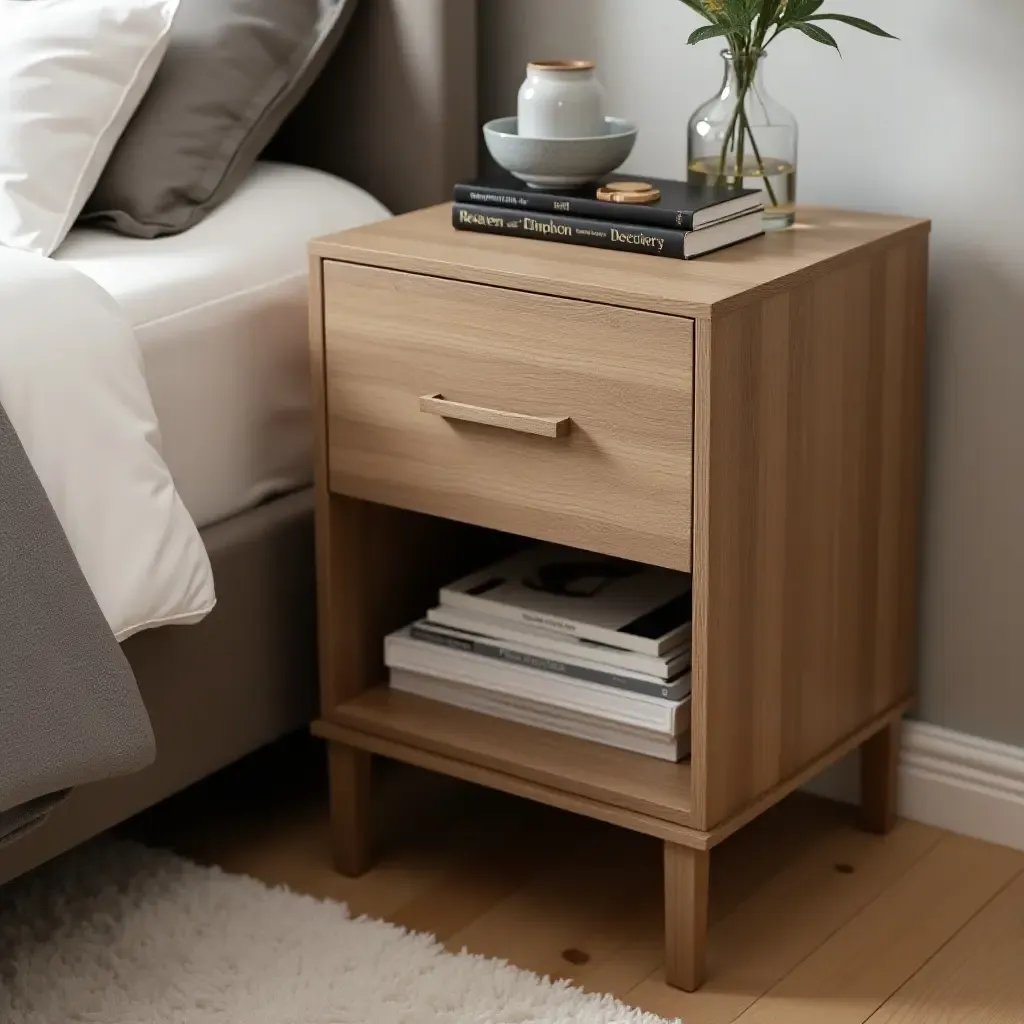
<point>753,418</point>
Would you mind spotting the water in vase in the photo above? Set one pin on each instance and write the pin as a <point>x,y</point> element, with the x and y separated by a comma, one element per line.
<point>778,179</point>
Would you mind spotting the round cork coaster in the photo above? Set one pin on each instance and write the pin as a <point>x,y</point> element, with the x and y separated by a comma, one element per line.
<point>638,192</point>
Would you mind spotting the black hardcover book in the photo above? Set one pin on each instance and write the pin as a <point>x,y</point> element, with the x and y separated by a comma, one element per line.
<point>682,206</point>
<point>671,243</point>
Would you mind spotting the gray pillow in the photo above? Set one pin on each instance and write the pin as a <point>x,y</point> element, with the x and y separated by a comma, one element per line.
<point>234,70</point>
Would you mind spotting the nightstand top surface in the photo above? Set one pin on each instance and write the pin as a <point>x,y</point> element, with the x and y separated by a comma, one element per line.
<point>424,242</point>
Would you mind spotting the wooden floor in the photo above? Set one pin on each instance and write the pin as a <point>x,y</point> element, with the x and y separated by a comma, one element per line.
<point>813,921</point>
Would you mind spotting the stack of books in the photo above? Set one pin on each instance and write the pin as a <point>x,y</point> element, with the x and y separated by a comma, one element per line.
<point>685,222</point>
<point>567,641</point>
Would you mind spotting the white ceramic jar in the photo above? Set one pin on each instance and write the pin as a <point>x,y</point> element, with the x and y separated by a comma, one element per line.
<point>561,99</point>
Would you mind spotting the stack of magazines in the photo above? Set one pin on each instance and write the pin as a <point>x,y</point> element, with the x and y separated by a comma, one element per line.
<point>564,640</point>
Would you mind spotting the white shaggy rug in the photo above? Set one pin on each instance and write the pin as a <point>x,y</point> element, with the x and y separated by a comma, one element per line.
<point>119,934</point>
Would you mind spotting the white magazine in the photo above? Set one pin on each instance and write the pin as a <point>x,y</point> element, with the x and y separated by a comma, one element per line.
<point>657,666</point>
<point>527,656</point>
<point>644,712</point>
<point>524,712</point>
<point>591,597</point>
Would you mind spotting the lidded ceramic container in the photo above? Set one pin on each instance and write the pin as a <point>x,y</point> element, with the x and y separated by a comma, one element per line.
<point>561,99</point>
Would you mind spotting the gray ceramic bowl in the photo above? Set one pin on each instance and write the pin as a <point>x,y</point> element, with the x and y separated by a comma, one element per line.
<point>559,163</point>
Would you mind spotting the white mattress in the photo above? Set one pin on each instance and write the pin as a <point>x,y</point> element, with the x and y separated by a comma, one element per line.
<point>221,318</point>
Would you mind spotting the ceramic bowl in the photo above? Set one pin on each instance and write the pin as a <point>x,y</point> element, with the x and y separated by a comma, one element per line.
<point>559,163</point>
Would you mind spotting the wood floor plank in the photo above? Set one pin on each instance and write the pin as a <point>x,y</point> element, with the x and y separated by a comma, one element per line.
<point>496,854</point>
<point>977,978</point>
<point>812,920</point>
<point>741,866</point>
<point>595,916</point>
<point>604,910</point>
<point>297,854</point>
<point>855,971</point>
<point>252,822</point>
<point>575,910</point>
<point>784,922</point>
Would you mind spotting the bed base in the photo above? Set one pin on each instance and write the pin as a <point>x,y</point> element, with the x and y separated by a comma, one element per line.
<point>216,691</point>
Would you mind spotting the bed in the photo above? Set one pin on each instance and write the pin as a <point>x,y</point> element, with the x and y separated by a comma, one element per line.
<point>220,314</point>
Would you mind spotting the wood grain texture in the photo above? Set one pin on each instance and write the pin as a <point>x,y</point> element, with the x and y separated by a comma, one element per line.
<point>349,774</point>
<point>375,567</point>
<point>378,568</point>
<point>468,866</point>
<point>976,978</point>
<point>686,916</point>
<point>633,782</point>
<point>327,638</point>
<point>879,775</point>
<point>774,448</point>
<point>564,799</point>
<point>808,438</point>
<point>566,901</point>
<point>490,854</point>
<point>619,483</point>
<point>426,243</point>
<point>827,757</point>
<point>784,919</point>
<point>890,940</point>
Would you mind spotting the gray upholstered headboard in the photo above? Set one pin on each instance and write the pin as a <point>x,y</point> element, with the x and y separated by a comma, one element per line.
<point>395,111</point>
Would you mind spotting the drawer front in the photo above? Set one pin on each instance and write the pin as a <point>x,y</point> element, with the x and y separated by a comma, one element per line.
<point>560,420</point>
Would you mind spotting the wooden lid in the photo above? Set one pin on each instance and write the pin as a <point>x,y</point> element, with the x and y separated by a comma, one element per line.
<point>561,65</point>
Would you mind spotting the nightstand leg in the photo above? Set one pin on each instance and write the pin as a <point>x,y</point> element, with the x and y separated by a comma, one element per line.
<point>349,777</point>
<point>879,772</point>
<point>686,915</point>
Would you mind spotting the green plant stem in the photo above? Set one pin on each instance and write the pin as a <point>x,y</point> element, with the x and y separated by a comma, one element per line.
<point>744,78</point>
<point>746,66</point>
<point>768,17</point>
<point>757,155</point>
<point>730,134</point>
<point>741,156</point>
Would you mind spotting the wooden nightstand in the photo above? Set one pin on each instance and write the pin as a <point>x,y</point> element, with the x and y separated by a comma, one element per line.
<point>754,417</point>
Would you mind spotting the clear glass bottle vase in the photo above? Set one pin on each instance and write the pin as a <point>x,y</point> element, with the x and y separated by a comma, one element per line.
<point>742,136</point>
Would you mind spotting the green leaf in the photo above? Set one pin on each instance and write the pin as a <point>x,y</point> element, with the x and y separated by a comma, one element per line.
<point>741,12</point>
<point>819,35</point>
<point>849,19</point>
<point>801,10</point>
<point>707,32</point>
<point>715,17</point>
<point>766,16</point>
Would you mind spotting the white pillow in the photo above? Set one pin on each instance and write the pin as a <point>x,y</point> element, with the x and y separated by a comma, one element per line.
<point>72,74</point>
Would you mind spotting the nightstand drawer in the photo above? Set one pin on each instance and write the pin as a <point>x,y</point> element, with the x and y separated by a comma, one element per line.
<point>566,421</point>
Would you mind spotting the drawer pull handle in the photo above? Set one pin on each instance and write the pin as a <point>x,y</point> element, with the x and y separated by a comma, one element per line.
<point>542,426</point>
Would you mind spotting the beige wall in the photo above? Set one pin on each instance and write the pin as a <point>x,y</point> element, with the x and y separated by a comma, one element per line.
<point>934,126</point>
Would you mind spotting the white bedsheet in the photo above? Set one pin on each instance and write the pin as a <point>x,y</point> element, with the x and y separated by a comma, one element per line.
<point>72,384</point>
<point>220,314</point>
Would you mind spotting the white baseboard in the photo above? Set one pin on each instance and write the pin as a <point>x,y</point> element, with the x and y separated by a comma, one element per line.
<point>951,780</point>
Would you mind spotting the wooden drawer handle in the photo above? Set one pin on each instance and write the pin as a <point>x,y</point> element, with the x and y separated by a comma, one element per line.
<point>543,426</point>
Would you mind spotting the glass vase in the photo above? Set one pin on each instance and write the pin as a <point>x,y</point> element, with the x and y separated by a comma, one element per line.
<point>742,136</point>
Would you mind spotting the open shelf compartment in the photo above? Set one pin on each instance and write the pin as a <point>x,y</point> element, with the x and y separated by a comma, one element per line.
<point>398,724</point>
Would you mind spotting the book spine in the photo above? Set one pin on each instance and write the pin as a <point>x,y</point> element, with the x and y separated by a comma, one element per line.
<point>571,230</point>
<point>673,691</point>
<point>574,206</point>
